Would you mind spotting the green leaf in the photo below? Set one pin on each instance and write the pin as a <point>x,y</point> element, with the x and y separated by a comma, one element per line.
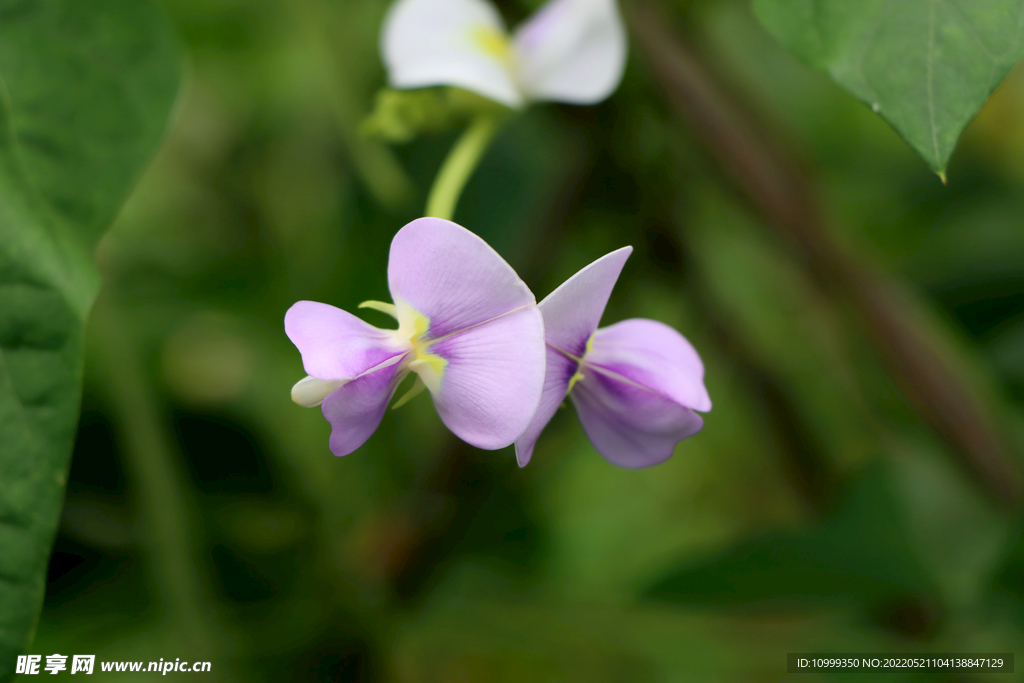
<point>1009,579</point>
<point>85,90</point>
<point>480,626</point>
<point>925,66</point>
<point>859,555</point>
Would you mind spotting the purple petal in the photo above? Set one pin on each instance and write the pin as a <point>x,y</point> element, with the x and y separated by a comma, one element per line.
<point>356,408</point>
<point>655,356</point>
<point>627,424</point>
<point>452,276</point>
<point>560,370</point>
<point>492,382</point>
<point>334,343</point>
<point>573,311</point>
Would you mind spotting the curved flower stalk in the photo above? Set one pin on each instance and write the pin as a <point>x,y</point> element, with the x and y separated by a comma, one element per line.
<point>468,327</point>
<point>635,384</point>
<point>571,51</point>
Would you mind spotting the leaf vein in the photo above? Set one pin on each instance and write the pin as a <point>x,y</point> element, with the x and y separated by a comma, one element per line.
<point>972,29</point>
<point>928,80</point>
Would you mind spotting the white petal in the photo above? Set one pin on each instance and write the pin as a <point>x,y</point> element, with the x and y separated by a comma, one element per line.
<point>310,392</point>
<point>572,51</point>
<point>450,42</point>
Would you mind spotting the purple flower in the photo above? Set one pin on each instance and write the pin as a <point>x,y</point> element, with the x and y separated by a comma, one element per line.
<point>635,384</point>
<point>467,326</point>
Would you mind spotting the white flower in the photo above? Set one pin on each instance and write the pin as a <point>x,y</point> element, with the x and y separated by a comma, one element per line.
<point>570,51</point>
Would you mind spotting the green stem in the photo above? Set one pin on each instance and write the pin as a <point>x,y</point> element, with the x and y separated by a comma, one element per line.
<point>462,160</point>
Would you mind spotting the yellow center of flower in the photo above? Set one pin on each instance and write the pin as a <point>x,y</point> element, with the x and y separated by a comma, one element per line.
<point>492,42</point>
<point>579,364</point>
<point>412,328</point>
<point>572,381</point>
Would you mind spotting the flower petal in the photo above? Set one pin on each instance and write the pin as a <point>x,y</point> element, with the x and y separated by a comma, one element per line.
<point>452,277</point>
<point>449,42</point>
<point>572,51</point>
<point>573,311</point>
<point>334,343</point>
<point>627,424</point>
<point>492,382</point>
<point>557,376</point>
<point>309,392</point>
<point>655,356</point>
<point>357,407</point>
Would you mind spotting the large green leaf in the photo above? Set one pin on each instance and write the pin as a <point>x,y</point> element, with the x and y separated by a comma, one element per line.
<point>858,555</point>
<point>925,66</point>
<point>85,90</point>
<point>474,628</point>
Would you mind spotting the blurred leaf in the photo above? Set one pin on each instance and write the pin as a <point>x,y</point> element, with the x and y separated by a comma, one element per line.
<point>859,555</point>
<point>789,329</point>
<point>90,88</point>
<point>971,242</point>
<point>954,531</point>
<point>1008,352</point>
<point>924,66</point>
<point>473,632</point>
<point>86,92</point>
<point>1009,579</point>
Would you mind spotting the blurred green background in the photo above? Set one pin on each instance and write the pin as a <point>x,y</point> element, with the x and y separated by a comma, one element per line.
<point>207,519</point>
